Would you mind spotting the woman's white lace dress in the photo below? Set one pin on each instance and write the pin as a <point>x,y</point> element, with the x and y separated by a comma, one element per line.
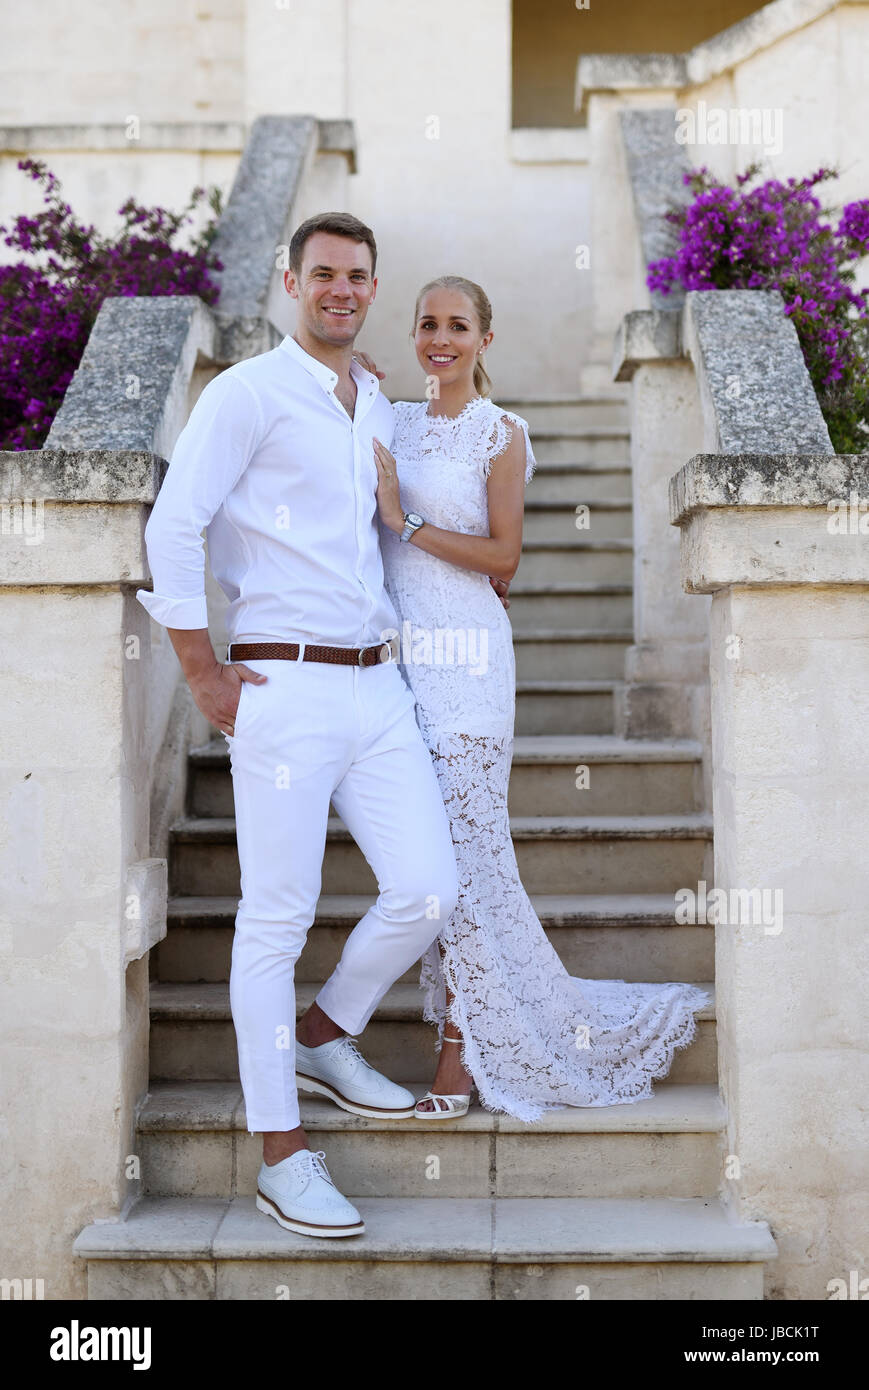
<point>534,1037</point>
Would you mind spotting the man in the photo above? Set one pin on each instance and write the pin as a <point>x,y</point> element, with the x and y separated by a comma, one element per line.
<point>277,462</point>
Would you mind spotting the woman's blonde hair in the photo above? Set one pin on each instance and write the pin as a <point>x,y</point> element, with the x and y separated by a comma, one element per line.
<point>482,308</point>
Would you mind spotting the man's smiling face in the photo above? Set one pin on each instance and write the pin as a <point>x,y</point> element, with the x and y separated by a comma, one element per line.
<point>334,287</point>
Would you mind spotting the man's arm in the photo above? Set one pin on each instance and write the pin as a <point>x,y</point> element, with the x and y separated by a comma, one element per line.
<point>209,457</point>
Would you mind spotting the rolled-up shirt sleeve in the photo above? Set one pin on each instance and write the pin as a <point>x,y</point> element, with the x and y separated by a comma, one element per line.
<point>210,455</point>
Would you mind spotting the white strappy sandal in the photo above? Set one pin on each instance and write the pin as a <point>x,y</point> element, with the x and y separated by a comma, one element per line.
<point>445,1107</point>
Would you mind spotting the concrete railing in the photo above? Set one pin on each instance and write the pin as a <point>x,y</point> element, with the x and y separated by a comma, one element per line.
<point>752,634</point>
<point>97,724</point>
<point>725,374</point>
<point>704,370</point>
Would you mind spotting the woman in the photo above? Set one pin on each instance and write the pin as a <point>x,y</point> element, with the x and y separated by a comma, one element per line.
<point>530,1037</point>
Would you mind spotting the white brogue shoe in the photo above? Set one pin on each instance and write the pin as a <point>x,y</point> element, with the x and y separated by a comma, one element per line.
<point>338,1070</point>
<point>301,1196</point>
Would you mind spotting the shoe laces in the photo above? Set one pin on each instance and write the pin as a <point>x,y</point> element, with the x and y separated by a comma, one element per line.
<point>313,1164</point>
<point>351,1049</point>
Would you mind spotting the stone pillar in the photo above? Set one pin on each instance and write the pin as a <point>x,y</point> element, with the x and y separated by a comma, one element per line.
<point>780,542</point>
<point>665,691</point>
<point>82,901</point>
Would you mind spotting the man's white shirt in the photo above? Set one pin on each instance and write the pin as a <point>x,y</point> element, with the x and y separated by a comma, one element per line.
<point>271,464</point>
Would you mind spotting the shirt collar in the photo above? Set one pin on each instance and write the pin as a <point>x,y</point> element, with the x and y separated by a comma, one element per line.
<point>323,374</point>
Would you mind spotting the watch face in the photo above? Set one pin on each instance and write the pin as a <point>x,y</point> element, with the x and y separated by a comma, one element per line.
<point>414,519</point>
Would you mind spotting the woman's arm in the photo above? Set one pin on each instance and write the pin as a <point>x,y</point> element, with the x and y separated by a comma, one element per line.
<point>497,554</point>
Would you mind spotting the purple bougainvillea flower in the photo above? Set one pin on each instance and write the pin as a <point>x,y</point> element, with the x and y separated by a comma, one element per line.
<point>48,306</point>
<point>778,236</point>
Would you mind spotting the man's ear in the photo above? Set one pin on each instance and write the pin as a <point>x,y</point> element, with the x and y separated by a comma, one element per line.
<point>291,284</point>
<point>373,290</point>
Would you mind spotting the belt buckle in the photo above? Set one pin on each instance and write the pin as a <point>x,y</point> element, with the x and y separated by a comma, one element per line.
<point>362,651</point>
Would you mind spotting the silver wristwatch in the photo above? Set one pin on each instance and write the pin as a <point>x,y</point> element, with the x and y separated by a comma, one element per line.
<point>412,522</point>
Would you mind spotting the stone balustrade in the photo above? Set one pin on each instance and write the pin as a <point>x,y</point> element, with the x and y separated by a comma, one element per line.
<point>751,633</point>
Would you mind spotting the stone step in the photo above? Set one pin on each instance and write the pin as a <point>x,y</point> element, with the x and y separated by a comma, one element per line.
<point>615,937</point>
<point>582,413</point>
<point>443,1248</point>
<point>577,559</point>
<point>625,776</point>
<point>583,444</point>
<point>571,605</point>
<point>193,1039</point>
<point>546,707</point>
<point>555,854</point>
<point>553,521</point>
<point>577,482</point>
<point>570,653</point>
<point>193,1142</point>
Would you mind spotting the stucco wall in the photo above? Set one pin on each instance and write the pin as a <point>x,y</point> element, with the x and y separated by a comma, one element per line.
<point>444,180</point>
<point>459,202</point>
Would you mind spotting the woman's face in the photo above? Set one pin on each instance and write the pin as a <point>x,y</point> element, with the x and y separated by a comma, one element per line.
<point>447,337</point>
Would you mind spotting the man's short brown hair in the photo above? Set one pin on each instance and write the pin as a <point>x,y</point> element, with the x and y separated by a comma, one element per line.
<point>339,224</point>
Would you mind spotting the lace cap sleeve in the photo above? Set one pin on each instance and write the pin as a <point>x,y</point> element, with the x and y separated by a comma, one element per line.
<point>500,437</point>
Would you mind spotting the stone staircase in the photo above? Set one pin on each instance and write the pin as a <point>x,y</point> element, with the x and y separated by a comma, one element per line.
<point>617,1203</point>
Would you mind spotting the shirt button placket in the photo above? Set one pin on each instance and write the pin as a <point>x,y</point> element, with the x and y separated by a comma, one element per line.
<point>357,469</point>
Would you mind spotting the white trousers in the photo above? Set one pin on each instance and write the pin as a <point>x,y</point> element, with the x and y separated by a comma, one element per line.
<point>315,733</point>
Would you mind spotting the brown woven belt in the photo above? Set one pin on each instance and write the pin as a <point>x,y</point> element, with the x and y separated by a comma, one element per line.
<point>289,651</point>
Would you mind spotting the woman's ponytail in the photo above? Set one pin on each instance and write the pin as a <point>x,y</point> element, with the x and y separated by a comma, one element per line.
<point>482,381</point>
